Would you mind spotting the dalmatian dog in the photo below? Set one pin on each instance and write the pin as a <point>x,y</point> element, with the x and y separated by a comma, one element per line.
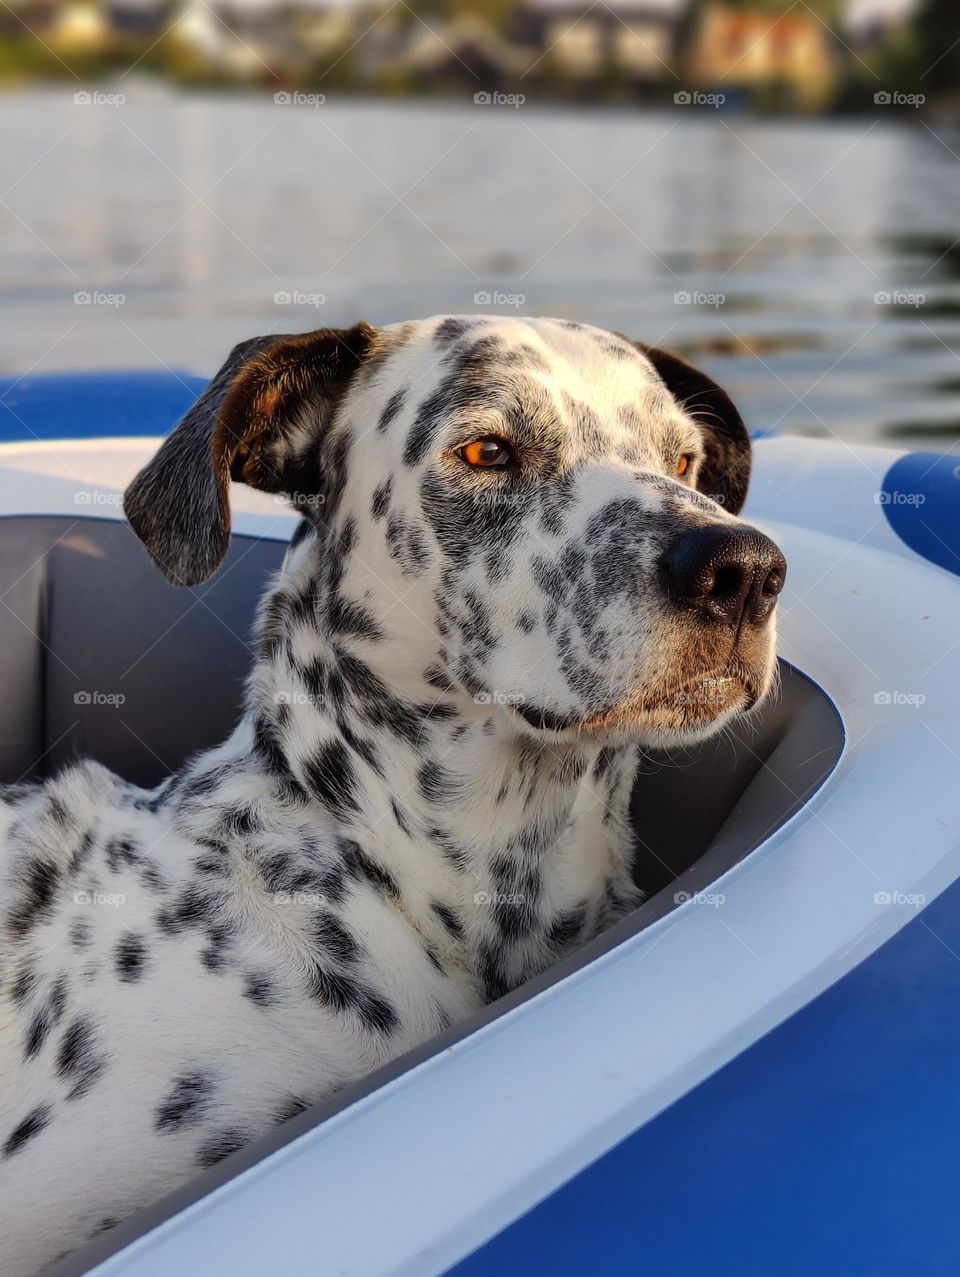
<point>519,565</point>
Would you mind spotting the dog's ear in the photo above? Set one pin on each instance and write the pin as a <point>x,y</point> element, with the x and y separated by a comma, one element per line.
<point>725,472</point>
<point>257,422</point>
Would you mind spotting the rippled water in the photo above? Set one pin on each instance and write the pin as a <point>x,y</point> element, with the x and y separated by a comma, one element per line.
<point>198,210</point>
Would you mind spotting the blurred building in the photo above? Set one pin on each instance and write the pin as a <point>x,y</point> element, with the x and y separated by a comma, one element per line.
<point>633,42</point>
<point>792,59</point>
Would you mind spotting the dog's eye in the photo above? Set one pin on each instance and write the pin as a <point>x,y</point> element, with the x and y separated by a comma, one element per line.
<point>487,453</point>
<point>684,464</point>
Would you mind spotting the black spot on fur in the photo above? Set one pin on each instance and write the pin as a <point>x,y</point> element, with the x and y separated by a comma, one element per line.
<point>399,817</point>
<point>390,410</point>
<point>35,1121</point>
<point>291,1107</point>
<point>332,778</point>
<point>38,882</point>
<point>269,749</point>
<point>492,974</point>
<point>344,993</point>
<point>23,985</point>
<point>221,1144</point>
<point>131,956</point>
<point>360,865</point>
<point>120,852</point>
<point>260,989</point>
<point>187,1103</point>
<point>453,853</point>
<point>47,1016</point>
<point>437,784</point>
<point>301,532</point>
<point>333,938</point>
<point>448,918</point>
<point>193,907</point>
<point>449,331</point>
<point>104,1226</point>
<point>78,1060</point>
<point>380,503</point>
<point>214,956</point>
<point>81,853</point>
<point>566,928</point>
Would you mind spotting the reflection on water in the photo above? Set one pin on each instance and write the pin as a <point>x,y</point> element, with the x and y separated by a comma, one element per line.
<point>813,267</point>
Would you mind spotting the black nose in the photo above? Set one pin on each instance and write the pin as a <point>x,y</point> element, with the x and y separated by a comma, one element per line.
<point>729,574</point>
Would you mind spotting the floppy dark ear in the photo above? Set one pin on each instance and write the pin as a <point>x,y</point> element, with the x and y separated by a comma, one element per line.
<point>257,422</point>
<point>725,472</point>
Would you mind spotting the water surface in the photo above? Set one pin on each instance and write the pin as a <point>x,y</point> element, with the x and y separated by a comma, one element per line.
<point>200,210</point>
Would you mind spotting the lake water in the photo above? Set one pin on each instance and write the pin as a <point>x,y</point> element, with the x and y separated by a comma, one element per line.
<point>200,210</point>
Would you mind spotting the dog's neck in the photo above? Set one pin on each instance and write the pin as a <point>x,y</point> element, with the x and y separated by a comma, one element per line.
<point>503,851</point>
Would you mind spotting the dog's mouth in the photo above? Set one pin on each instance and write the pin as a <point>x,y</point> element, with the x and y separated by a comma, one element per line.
<point>672,712</point>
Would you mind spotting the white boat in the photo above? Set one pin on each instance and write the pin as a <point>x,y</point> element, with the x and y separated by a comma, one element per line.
<point>753,1073</point>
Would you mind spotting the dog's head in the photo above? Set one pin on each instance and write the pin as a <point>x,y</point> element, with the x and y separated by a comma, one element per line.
<point>543,514</point>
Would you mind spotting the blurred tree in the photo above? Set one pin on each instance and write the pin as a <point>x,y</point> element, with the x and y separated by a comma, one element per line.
<point>496,13</point>
<point>937,27</point>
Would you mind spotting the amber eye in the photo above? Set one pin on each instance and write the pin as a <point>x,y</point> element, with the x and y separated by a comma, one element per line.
<point>487,454</point>
<point>684,464</point>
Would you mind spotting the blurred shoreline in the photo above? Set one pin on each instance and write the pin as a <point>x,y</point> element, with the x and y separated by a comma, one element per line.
<point>758,56</point>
